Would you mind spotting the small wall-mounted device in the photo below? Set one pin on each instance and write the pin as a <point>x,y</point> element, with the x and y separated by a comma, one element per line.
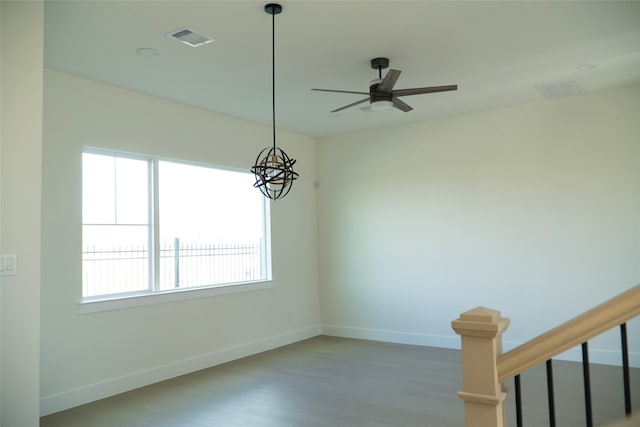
<point>8,264</point>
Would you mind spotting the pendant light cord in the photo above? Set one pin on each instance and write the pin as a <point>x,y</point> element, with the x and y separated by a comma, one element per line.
<point>273,75</point>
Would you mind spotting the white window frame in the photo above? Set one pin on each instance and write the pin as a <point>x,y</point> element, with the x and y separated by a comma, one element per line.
<point>153,295</point>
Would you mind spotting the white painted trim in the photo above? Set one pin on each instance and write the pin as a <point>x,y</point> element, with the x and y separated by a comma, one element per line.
<point>398,337</point>
<point>129,301</point>
<point>596,355</point>
<point>89,393</point>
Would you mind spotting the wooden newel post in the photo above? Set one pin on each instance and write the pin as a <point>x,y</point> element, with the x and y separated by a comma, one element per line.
<point>481,331</point>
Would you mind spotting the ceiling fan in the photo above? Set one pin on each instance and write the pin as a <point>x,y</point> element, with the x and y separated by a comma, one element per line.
<point>381,95</point>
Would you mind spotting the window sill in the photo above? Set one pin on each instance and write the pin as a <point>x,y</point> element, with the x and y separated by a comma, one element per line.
<point>130,301</point>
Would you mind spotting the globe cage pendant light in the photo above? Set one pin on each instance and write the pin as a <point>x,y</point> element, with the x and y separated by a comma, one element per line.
<point>273,168</point>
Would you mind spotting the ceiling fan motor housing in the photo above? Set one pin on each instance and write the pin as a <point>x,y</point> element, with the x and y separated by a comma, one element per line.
<point>376,95</point>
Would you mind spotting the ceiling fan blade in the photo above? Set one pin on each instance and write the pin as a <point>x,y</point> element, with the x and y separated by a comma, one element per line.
<point>341,91</point>
<point>351,105</point>
<point>420,90</point>
<point>386,85</point>
<point>400,105</point>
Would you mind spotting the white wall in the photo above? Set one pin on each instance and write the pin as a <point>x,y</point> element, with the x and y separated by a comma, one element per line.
<point>85,357</point>
<point>533,211</point>
<point>20,153</point>
<point>530,210</point>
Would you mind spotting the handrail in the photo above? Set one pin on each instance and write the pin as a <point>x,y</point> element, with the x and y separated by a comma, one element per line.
<point>580,329</point>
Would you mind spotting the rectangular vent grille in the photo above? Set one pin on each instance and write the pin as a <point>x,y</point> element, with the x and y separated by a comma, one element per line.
<point>190,37</point>
<point>559,89</point>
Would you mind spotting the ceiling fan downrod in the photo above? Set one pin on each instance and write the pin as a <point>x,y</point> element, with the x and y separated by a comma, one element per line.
<point>380,64</point>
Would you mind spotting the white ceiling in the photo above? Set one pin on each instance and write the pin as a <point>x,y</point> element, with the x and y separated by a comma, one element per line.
<point>497,52</point>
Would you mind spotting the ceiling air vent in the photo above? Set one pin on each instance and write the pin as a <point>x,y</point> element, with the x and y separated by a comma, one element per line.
<point>190,37</point>
<point>559,89</point>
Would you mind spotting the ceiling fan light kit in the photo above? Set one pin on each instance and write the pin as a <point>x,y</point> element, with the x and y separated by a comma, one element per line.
<point>381,105</point>
<point>273,168</point>
<point>381,95</point>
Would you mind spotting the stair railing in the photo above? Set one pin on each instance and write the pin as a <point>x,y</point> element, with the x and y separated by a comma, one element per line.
<point>485,367</point>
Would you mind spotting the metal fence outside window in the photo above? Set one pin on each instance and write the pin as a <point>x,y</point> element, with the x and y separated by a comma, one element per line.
<point>181,265</point>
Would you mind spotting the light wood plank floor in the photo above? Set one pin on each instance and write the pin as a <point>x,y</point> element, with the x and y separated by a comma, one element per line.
<point>338,382</point>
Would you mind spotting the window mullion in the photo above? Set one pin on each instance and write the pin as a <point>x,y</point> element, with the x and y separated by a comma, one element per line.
<point>154,228</point>
<point>265,242</point>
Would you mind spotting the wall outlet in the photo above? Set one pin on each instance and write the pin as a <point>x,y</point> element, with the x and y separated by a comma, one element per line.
<point>8,264</point>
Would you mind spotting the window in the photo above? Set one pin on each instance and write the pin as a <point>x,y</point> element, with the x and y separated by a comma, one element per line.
<point>153,226</point>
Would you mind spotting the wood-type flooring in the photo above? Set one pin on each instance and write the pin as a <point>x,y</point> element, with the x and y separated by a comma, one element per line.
<point>339,382</point>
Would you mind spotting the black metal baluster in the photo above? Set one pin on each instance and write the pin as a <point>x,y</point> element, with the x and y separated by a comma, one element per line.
<point>587,384</point>
<point>625,370</point>
<point>518,401</point>
<point>550,395</point>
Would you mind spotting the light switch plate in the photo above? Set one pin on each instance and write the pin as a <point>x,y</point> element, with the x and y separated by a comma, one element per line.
<point>8,264</point>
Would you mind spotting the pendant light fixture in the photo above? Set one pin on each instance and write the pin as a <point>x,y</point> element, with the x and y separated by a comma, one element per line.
<point>274,168</point>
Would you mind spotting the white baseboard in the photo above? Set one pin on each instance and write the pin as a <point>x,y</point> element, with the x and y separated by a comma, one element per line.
<point>398,337</point>
<point>602,356</point>
<point>596,355</point>
<point>89,393</point>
